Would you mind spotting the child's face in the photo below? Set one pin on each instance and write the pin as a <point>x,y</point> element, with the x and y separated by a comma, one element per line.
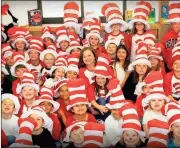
<point>115,113</point>
<point>154,61</point>
<point>157,104</point>
<point>49,60</point>
<point>76,52</point>
<point>111,49</point>
<point>64,45</point>
<point>79,109</point>
<point>176,27</point>
<point>70,29</point>
<point>8,106</point>
<point>146,89</point>
<point>28,92</point>
<point>176,66</point>
<point>63,92</point>
<point>176,129</point>
<point>47,40</point>
<point>93,40</point>
<point>115,27</point>
<point>20,45</point>
<point>59,73</point>
<point>48,107</point>
<point>34,55</point>
<point>88,57</point>
<point>121,54</point>
<point>19,72</point>
<point>9,61</point>
<point>139,26</point>
<point>141,69</point>
<point>101,81</point>
<point>77,136</point>
<point>131,138</point>
<point>71,75</point>
<point>39,120</point>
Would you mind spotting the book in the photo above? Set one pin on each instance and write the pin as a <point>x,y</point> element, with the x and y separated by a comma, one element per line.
<point>164,13</point>
<point>35,17</point>
<point>128,15</point>
<point>152,17</point>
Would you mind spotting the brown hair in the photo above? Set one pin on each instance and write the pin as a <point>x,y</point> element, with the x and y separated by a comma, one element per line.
<point>81,62</point>
<point>19,66</point>
<point>134,30</point>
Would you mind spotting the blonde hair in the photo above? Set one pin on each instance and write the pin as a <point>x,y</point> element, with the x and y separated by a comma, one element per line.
<point>48,54</point>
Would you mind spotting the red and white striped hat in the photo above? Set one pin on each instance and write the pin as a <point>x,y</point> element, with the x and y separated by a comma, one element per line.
<point>38,110</point>
<point>19,59</point>
<point>46,94</point>
<point>60,62</point>
<point>174,12</point>
<point>102,66</point>
<point>28,79</point>
<point>117,98</point>
<point>47,33</point>
<point>111,40</point>
<point>14,99</point>
<point>71,14</point>
<point>158,133</point>
<point>141,12</point>
<point>24,138</point>
<point>51,48</point>
<point>85,43</point>
<point>178,40</point>
<point>114,16</point>
<point>95,29</point>
<point>156,51</point>
<point>93,134</point>
<point>131,120</point>
<point>141,55</point>
<point>77,93</point>
<point>36,40</point>
<point>62,35</point>
<point>149,37</point>
<point>175,54</point>
<point>2,33</point>
<point>58,84</point>
<point>172,111</point>
<point>73,63</point>
<point>3,68</point>
<point>35,47</point>
<point>6,50</point>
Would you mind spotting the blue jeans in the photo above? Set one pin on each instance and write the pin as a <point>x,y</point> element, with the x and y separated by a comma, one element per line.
<point>11,139</point>
<point>102,101</point>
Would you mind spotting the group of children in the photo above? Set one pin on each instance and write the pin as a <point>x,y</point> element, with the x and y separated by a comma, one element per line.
<point>66,89</point>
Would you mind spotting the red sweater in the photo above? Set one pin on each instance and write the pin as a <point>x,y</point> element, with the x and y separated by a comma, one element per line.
<point>15,83</point>
<point>100,49</point>
<point>168,41</point>
<point>139,106</point>
<point>56,131</point>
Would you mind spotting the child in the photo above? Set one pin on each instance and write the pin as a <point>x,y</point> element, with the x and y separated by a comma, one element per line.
<point>41,135</point>
<point>47,35</point>
<point>98,94</point>
<point>62,41</point>
<point>115,24</point>
<point>139,26</point>
<point>94,38</point>
<point>87,63</point>
<point>111,47</point>
<point>72,70</point>
<point>78,102</point>
<point>169,38</point>
<point>28,91</point>
<point>50,106</point>
<point>10,106</point>
<point>58,71</point>
<point>172,79</point>
<point>18,69</point>
<point>121,63</point>
<point>48,57</point>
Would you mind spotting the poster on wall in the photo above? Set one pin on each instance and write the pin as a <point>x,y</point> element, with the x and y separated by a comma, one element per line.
<point>164,13</point>
<point>35,17</point>
<point>152,17</point>
<point>128,15</point>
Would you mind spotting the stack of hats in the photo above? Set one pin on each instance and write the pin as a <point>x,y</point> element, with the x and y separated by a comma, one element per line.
<point>47,33</point>
<point>174,12</point>
<point>58,84</point>
<point>156,51</point>
<point>114,16</point>
<point>3,68</point>
<point>93,135</point>
<point>77,93</point>
<point>73,63</point>
<point>61,34</point>
<point>6,50</point>
<point>141,12</point>
<point>71,14</point>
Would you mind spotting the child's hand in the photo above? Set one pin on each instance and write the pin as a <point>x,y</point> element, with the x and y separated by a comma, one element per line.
<point>102,109</point>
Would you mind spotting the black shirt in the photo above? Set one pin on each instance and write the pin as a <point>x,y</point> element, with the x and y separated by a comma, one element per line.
<point>6,86</point>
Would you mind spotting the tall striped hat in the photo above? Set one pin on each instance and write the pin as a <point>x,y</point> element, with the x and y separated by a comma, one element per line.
<point>6,50</point>
<point>73,63</point>
<point>156,51</point>
<point>149,37</point>
<point>58,84</point>
<point>175,54</point>
<point>47,32</point>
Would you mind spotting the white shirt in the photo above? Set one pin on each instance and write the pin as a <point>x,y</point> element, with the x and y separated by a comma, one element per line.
<point>113,128</point>
<point>10,126</point>
<point>119,72</point>
<point>49,83</point>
